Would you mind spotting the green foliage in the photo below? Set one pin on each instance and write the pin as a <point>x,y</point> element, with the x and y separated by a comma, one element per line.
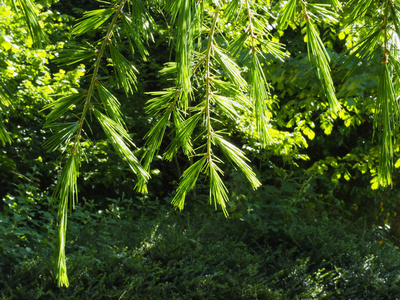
<point>212,82</point>
<point>66,189</point>
<point>240,73</point>
<point>378,47</point>
<point>139,250</point>
<point>32,21</point>
<point>120,140</point>
<point>315,47</point>
<point>27,222</point>
<point>67,192</point>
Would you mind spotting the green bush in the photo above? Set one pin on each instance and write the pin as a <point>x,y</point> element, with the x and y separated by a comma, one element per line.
<point>133,251</point>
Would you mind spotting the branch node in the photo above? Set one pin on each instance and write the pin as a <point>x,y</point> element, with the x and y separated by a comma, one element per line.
<point>385,58</point>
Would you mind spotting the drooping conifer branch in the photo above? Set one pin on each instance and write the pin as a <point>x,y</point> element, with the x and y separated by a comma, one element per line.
<point>209,92</point>
<point>218,191</point>
<point>66,190</point>
<point>318,55</point>
<point>259,92</point>
<point>94,81</point>
<point>386,106</point>
<point>218,99</point>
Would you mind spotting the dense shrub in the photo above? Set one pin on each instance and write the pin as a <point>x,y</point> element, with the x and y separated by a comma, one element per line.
<point>133,251</point>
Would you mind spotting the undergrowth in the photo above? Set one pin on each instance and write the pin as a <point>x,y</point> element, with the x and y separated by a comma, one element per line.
<point>136,250</point>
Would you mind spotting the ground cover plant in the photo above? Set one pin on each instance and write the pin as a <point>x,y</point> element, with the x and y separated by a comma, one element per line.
<point>131,250</point>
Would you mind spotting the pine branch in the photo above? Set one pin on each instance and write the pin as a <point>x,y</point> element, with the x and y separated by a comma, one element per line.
<point>320,58</point>
<point>387,107</point>
<point>94,82</point>
<point>186,183</point>
<point>39,37</point>
<point>66,190</point>
<point>207,108</point>
<point>184,14</point>
<point>259,91</point>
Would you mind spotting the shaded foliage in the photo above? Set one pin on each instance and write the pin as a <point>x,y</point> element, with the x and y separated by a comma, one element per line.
<point>133,249</point>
